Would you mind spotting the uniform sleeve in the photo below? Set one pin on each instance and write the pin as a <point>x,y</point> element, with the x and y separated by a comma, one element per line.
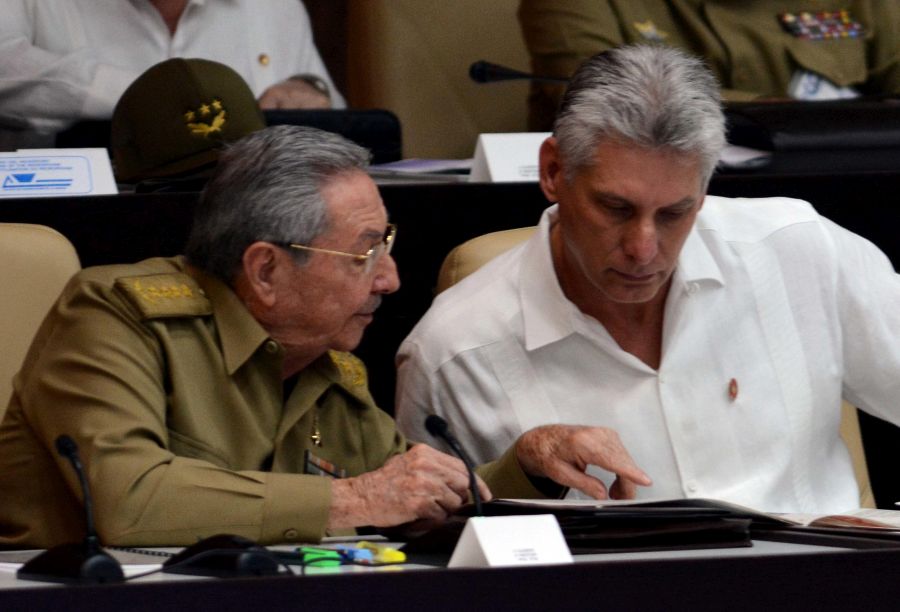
<point>96,373</point>
<point>884,54</point>
<point>506,479</point>
<point>43,90</point>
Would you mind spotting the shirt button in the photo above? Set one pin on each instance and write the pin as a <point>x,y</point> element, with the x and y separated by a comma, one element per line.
<point>271,347</point>
<point>290,534</point>
<point>692,487</point>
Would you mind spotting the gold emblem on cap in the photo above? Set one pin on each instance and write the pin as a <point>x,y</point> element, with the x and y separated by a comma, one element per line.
<point>195,121</point>
<point>648,31</point>
<point>264,59</point>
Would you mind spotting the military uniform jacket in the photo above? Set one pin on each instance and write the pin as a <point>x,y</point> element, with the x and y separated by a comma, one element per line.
<point>173,393</point>
<point>744,43</point>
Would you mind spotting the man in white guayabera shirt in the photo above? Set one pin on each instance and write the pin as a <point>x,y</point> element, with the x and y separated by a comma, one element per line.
<point>712,338</point>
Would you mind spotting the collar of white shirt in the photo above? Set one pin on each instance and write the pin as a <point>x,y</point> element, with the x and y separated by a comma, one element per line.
<point>549,316</point>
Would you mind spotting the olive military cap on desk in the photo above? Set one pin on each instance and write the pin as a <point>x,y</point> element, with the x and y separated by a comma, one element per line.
<point>175,117</point>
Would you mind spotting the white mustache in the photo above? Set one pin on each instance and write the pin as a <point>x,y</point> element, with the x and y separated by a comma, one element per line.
<point>371,305</point>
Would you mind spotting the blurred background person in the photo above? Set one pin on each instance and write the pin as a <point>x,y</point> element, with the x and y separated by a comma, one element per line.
<point>61,62</point>
<point>810,50</point>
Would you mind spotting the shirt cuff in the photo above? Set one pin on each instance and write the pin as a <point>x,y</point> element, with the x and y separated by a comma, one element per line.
<point>296,508</point>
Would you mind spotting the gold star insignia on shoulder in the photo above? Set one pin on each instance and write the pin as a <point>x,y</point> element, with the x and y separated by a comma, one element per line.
<point>204,109</point>
<point>189,116</point>
<point>164,295</point>
<point>217,105</point>
<point>648,31</point>
<point>351,368</point>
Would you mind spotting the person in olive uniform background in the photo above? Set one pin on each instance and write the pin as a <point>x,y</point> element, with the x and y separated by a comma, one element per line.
<point>213,393</point>
<point>800,49</point>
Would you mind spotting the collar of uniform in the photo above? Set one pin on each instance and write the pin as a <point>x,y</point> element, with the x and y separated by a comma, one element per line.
<point>347,371</point>
<point>331,369</point>
<point>546,311</point>
<point>239,333</point>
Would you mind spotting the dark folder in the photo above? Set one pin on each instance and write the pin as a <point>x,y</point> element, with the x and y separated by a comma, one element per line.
<point>591,529</point>
<point>820,125</point>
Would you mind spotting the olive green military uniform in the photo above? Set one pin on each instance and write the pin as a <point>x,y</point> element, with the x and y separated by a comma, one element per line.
<point>743,41</point>
<point>173,393</point>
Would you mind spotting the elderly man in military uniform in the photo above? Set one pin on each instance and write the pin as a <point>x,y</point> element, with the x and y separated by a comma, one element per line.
<point>213,392</point>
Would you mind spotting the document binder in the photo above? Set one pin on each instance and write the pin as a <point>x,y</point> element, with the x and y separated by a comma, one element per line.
<point>820,125</point>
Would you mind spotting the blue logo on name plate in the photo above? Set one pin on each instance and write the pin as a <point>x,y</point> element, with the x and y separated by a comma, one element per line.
<point>29,182</point>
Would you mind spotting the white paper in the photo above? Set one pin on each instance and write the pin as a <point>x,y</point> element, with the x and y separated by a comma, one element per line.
<point>500,541</point>
<point>503,158</point>
<point>735,156</point>
<point>416,165</point>
<point>36,173</point>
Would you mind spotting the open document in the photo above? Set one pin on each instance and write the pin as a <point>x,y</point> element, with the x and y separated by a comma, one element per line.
<point>866,518</point>
<point>606,525</point>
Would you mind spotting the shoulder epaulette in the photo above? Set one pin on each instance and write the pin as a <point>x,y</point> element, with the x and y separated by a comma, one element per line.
<point>158,296</point>
<point>352,369</point>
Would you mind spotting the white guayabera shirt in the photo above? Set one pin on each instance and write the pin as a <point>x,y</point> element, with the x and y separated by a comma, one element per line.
<point>775,313</point>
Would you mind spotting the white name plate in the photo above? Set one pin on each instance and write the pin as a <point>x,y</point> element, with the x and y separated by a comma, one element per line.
<point>501,541</point>
<point>506,158</point>
<point>56,172</point>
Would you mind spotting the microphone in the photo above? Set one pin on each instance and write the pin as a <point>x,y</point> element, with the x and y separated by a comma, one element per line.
<point>438,428</point>
<point>487,72</point>
<point>81,562</point>
<point>67,448</point>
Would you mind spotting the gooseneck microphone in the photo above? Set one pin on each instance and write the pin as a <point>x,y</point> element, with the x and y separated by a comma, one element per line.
<point>438,428</point>
<point>67,448</point>
<point>487,72</point>
<point>81,562</point>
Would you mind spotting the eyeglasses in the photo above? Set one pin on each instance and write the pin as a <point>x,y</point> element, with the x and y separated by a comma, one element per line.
<point>367,260</point>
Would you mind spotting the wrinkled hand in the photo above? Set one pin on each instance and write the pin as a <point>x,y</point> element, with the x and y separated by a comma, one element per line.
<point>293,93</point>
<point>563,452</point>
<point>422,483</point>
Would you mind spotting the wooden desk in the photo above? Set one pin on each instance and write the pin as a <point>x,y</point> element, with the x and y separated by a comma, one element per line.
<point>771,576</point>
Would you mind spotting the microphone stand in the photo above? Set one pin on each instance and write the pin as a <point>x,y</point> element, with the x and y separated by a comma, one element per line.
<point>487,72</point>
<point>438,428</point>
<point>79,562</point>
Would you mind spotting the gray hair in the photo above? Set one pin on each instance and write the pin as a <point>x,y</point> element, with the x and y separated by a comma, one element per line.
<point>653,96</point>
<point>267,186</point>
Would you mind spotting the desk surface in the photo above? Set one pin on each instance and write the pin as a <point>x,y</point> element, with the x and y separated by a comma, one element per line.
<point>771,575</point>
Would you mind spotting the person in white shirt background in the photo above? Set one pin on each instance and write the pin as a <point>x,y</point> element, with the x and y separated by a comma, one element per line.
<point>66,60</point>
<point>712,339</point>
